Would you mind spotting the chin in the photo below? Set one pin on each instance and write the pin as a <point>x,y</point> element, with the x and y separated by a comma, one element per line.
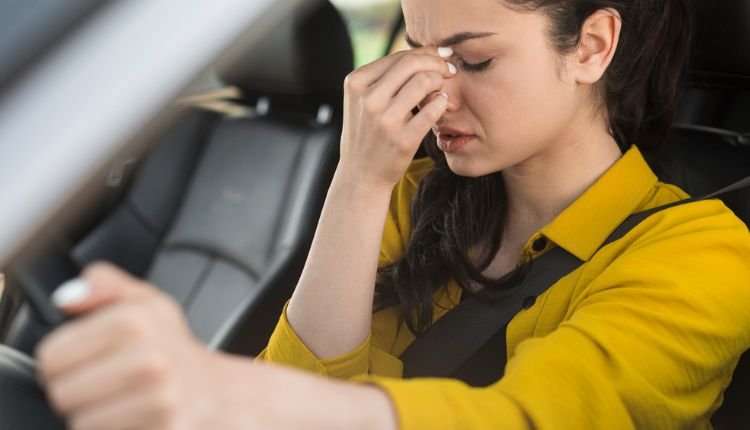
<point>463,165</point>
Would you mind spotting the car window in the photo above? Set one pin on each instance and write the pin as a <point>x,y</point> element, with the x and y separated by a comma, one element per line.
<point>370,24</point>
<point>28,27</point>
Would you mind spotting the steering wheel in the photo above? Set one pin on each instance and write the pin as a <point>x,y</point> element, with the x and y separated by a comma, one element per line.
<point>23,404</point>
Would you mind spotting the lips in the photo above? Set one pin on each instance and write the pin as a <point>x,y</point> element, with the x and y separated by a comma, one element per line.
<point>450,140</point>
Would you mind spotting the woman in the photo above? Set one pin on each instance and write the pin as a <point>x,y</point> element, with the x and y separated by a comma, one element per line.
<point>536,106</point>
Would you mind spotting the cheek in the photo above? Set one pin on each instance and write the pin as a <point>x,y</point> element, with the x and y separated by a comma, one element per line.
<point>519,103</point>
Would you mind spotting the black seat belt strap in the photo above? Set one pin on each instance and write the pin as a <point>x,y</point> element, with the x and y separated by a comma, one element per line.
<point>637,218</point>
<point>468,326</point>
<point>455,337</point>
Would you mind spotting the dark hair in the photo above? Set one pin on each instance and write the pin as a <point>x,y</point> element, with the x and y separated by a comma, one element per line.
<point>453,216</point>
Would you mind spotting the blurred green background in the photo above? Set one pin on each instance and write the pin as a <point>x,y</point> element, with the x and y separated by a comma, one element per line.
<point>370,24</point>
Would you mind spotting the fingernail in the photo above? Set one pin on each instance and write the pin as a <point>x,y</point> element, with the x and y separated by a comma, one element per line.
<point>444,95</point>
<point>452,68</point>
<point>71,292</point>
<point>445,52</point>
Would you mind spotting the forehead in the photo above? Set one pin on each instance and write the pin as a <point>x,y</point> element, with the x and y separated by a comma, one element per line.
<point>430,21</point>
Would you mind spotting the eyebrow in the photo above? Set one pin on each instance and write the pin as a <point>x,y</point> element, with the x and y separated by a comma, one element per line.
<point>453,40</point>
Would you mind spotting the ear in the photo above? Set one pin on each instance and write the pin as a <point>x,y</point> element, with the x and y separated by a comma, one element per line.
<point>600,35</point>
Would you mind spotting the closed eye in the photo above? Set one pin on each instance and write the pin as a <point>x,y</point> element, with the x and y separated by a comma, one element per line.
<point>474,67</point>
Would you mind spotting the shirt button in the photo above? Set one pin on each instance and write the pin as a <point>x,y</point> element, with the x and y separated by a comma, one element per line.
<point>528,302</point>
<point>539,244</point>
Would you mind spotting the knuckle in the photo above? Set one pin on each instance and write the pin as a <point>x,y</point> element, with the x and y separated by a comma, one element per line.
<point>419,81</point>
<point>153,368</point>
<point>423,62</point>
<point>369,106</point>
<point>412,60</point>
<point>170,305</point>
<point>96,268</point>
<point>436,80</point>
<point>129,325</point>
<point>424,79</point>
<point>386,123</point>
<point>163,305</point>
<point>131,329</point>
<point>352,81</point>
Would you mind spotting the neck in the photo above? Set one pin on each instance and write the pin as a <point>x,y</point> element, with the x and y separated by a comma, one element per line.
<point>540,188</point>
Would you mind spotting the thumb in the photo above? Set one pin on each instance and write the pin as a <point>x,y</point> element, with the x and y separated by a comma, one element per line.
<point>99,285</point>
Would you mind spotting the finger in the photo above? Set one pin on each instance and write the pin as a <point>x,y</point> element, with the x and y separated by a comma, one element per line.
<point>430,114</point>
<point>86,339</point>
<point>414,93</point>
<point>406,68</point>
<point>106,378</point>
<point>367,75</point>
<point>139,409</point>
<point>99,285</point>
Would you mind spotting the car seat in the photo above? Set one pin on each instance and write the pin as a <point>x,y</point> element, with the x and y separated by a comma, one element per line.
<point>221,213</point>
<point>710,145</point>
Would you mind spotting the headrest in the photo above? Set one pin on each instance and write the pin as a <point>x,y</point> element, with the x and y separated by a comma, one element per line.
<point>721,57</point>
<point>304,59</point>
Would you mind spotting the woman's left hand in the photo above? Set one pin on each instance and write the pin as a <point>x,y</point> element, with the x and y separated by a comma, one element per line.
<point>129,361</point>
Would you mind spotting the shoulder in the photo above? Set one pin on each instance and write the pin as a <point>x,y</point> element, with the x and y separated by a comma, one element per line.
<point>697,223</point>
<point>694,253</point>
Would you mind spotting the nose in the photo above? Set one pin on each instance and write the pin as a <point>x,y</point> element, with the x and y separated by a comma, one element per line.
<point>452,87</point>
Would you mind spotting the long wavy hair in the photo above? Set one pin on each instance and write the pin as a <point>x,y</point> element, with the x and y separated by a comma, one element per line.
<point>457,222</point>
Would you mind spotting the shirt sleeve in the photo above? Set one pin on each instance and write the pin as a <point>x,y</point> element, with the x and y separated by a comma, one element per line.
<point>286,348</point>
<point>652,343</point>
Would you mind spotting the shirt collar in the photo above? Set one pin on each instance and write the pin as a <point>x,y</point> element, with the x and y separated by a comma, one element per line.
<point>584,225</point>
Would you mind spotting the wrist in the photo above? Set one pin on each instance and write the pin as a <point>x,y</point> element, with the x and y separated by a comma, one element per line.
<point>292,399</point>
<point>359,406</point>
<point>358,181</point>
<point>359,195</point>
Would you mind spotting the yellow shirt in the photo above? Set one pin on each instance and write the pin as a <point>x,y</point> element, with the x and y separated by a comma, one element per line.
<point>645,334</point>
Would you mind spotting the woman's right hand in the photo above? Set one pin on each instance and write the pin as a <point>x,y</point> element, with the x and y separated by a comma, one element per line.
<point>381,134</point>
<point>331,308</point>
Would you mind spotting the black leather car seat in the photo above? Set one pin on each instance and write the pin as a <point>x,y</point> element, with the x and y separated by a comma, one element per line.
<point>222,212</point>
<point>710,146</point>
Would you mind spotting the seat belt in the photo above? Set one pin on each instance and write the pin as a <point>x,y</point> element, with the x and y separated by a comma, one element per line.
<point>466,328</point>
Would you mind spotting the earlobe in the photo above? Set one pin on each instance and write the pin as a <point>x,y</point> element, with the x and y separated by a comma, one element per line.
<point>600,35</point>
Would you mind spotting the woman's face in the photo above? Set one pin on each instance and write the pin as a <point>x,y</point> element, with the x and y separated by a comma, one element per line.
<point>513,93</point>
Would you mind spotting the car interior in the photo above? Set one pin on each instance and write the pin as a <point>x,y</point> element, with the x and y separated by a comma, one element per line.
<point>185,221</point>
<point>221,212</point>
